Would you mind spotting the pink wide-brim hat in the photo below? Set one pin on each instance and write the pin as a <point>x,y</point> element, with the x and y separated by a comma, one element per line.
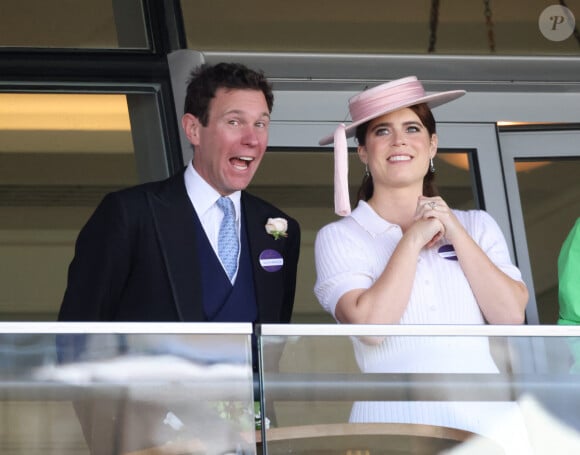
<point>367,105</point>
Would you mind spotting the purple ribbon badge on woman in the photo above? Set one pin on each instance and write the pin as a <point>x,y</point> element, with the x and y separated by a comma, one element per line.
<point>447,252</point>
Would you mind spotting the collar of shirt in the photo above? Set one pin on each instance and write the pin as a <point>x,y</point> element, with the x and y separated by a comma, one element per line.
<point>369,220</point>
<point>203,198</point>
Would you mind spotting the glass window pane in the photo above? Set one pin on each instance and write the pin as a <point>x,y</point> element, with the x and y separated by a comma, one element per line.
<point>550,200</point>
<point>412,27</point>
<point>454,179</point>
<point>90,24</point>
<point>59,154</point>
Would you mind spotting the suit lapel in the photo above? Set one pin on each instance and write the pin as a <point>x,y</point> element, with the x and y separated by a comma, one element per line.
<point>269,286</point>
<point>173,215</point>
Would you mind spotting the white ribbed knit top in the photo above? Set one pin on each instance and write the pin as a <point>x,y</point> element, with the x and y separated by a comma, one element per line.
<point>351,254</point>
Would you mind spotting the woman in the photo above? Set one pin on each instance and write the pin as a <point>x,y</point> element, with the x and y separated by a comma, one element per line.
<point>404,257</point>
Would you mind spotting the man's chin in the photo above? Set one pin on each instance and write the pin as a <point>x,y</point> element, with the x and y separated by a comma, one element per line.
<point>240,184</point>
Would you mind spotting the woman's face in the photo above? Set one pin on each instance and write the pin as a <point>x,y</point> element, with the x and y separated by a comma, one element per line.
<point>397,149</point>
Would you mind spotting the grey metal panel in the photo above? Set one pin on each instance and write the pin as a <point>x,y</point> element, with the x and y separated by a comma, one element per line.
<point>181,63</point>
<point>332,106</point>
<point>353,71</point>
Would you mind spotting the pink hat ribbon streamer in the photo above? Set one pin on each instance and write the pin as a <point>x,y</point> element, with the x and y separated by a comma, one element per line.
<point>341,198</point>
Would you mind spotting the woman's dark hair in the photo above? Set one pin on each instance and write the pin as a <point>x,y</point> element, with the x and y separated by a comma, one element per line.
<point>366,189</point>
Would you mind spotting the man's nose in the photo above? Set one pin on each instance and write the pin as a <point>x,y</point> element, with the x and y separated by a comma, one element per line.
<point>250,136</point>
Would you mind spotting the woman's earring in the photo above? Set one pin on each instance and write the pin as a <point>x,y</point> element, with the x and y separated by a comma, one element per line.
<point>367,173</point>
<point>432,166</point>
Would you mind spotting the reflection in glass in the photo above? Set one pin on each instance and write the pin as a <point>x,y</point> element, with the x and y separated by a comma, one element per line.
<point>59,154</point>
<point>126,392</point>
<point>317,382</point>
<point>454,178</point>
<point>90,24</point>
<point>452,27</point>
<point>550,201</point>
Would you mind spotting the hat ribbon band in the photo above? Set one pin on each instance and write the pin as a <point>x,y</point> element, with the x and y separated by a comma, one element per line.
<point>362,108</point>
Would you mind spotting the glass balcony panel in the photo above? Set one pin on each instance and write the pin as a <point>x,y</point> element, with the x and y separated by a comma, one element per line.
<point>126,388</point>
<point>418,389</point>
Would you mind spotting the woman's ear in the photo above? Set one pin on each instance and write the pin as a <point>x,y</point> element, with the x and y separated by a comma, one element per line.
<point>191,126</point>
<point>362,154</point>
<point>433,146</point>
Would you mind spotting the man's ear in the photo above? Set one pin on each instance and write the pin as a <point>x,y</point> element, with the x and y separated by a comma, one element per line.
<point>191,125</point>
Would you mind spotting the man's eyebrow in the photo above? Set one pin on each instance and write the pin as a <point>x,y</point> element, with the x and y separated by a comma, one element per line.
<point>242,112</point>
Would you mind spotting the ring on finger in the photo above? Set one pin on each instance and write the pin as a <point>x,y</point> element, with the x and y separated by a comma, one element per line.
<point>432,204</point>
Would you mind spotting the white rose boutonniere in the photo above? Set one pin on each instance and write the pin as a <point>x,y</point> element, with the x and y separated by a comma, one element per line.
<point>277,227</point>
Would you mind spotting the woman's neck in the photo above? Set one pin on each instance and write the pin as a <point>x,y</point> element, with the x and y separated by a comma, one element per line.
<point>397,206</point>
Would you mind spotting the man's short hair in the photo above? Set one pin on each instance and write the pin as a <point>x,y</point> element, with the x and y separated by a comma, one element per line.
<point>207,79</point>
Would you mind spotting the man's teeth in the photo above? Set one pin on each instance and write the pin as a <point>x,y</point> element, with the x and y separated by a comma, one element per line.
<point>241,162</point>
<point>400,158</point>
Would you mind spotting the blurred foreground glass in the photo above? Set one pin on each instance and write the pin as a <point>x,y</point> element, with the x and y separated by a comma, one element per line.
<point>126,388</point>
<point>440,394</point>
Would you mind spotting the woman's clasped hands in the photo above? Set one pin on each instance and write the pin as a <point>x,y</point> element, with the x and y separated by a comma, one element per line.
<point>435,220</point>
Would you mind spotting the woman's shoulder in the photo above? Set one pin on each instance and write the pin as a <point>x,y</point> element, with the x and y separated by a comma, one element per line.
<point>338,227</point>
<point>473,216</point>
<point>477,222</point>
<point>350,223</point>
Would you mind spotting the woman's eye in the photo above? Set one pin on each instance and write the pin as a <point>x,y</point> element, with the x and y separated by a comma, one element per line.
<point>382,132</point>
<point>413,129</point>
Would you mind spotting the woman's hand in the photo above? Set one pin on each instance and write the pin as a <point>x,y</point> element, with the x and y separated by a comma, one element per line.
<point>429,208</point>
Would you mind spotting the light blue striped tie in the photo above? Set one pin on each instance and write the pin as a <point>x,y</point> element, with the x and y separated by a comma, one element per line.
<point>228,245</point>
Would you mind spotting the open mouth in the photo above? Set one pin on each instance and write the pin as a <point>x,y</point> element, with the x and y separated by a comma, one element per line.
<point>241,162</point>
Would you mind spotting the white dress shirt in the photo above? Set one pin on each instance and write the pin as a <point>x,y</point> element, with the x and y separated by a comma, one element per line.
<point>204,198</point>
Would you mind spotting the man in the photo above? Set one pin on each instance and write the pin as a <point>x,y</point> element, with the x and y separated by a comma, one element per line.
<point>151,253</point>
<point>154,252</point>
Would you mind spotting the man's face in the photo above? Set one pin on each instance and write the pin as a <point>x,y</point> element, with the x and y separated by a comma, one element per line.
<point>230,148</point>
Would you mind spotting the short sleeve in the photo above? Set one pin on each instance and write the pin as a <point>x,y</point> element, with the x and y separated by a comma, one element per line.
<point>341,263</point>
<point>488,235</point>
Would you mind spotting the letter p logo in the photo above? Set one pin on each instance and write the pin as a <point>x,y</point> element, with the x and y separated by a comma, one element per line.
<point>556,23</point>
